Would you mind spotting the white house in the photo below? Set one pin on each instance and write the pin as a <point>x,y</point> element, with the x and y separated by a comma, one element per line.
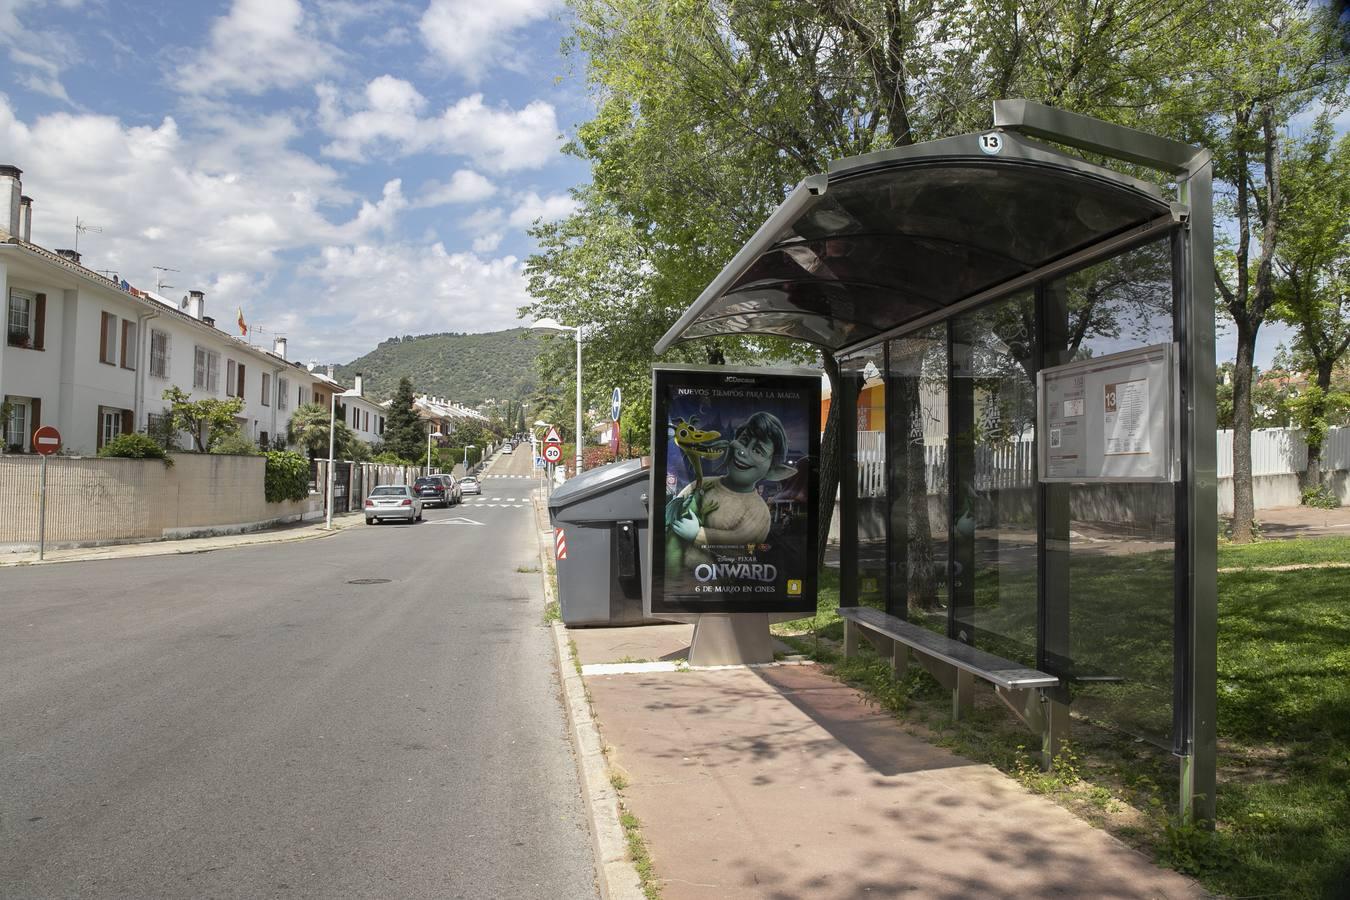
<point>364,416</point>
<point>94,356</point>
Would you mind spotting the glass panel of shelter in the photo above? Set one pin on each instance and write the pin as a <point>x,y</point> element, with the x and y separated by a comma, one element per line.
<point>864,499</point>
<point>1078,579</point>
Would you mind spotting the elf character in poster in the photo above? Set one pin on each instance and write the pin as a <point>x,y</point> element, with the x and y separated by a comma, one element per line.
<point>725,510</point>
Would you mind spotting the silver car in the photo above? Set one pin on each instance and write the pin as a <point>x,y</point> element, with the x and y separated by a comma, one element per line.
<point>469,485</point>
<point>393,501</point>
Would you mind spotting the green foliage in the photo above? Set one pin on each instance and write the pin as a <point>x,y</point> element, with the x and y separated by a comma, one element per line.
<point>389,458</point>
<point>1320,497</point>
<point>405,435</point>
<point>135,446</point>
<point>308,430</point>
<point>235,444</point>
<point>207,421</point>
<point>287,476</point>
<point>467,368</point>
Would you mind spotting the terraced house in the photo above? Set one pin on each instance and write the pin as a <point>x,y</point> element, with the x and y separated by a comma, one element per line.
<point>94,355</point>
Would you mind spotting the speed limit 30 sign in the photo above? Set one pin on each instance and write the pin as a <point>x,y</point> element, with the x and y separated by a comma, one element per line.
<point>553,453</point>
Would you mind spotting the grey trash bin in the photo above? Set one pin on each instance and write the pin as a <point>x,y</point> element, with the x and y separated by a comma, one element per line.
<point>603,517</point>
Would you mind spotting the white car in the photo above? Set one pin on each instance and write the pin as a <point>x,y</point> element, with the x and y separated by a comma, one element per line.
<point>393,501</point>
<point>469,485</point>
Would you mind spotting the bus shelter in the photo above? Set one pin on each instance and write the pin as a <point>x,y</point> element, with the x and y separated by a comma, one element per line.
<point>1025,332</point>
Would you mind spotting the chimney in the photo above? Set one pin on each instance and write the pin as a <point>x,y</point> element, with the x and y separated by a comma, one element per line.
<point>279,347</point>
<point>71,255</point>
<point>196,304</point>
<point>209,321</point>
<point>11,189</point>
<point>26,219</point>
<point>357,386</point>
<point>331,373</point>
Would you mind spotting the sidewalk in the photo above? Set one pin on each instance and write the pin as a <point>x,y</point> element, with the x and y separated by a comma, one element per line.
<point>282,534</point>
<point>779,782</point>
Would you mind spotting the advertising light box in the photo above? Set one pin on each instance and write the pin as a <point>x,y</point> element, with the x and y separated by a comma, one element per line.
<point>1110,418</point>
<point>733,510</point>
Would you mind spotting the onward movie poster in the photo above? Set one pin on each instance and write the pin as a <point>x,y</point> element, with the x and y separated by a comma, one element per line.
<point>736,530</point>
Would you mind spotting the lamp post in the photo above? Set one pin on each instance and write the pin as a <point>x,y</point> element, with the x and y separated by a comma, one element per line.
<point>430,435</point>
<point>467,448</point>
<point>332,433</point>
<point>558,328</point>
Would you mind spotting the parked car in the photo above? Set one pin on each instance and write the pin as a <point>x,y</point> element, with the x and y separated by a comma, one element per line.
<point>393,501</point>
<point>433,490</point>
<point>469,485</point>
<point>508,448</point>
<point>453,492</point>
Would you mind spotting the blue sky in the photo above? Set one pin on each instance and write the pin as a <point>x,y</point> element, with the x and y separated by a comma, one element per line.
<point>344,170</point>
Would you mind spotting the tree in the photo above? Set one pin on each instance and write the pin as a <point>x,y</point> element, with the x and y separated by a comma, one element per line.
<point>1313,292</point>
<point>405,436</point>
<point>1267,61</point>
<point>308,429</point>
<point>708,113</point>
<point>208,422</point>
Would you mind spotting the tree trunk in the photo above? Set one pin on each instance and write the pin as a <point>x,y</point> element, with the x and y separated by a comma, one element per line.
<point>829,459</point>
<point>1243,508</point>
<point>1312,476</point>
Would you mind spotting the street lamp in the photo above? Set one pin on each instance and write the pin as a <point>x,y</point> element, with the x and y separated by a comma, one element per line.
<point>558,328</point>
<point>332,433</point>
<point>430,435</point>
<point>467,448</point>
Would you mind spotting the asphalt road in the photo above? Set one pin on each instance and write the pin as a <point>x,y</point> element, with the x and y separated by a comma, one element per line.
<point>250,723</point>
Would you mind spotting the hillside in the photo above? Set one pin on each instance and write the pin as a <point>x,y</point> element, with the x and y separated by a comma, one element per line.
<point>466,368</point>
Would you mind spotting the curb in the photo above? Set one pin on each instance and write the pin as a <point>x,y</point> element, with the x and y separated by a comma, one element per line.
<point>617,877</point>
<point>169,547</point>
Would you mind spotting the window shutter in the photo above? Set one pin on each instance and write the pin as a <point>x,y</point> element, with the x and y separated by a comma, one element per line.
<point>128,421</point>
<point>35,411</point>
<point>98,428</point>
<point>40,321</point>
<point>103,343</point>
<point>239,390</point>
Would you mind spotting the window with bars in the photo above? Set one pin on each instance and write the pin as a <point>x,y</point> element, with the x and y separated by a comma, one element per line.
<point>159,353</point>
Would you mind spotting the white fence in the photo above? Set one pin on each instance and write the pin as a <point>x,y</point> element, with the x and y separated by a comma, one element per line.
<point>1275,451</point>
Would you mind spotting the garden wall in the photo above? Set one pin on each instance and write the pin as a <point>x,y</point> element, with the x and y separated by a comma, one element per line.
<point>92,501</point>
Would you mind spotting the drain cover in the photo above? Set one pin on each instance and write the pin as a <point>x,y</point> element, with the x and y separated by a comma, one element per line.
<point>369,581</point>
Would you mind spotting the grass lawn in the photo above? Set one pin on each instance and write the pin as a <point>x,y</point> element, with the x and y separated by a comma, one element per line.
<point>1283,827</point>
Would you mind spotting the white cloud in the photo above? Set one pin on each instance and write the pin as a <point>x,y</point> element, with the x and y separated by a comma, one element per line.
<point>487,243</point>
<point>469,36</point>
<point>530,207</point>
<point>404,288</point>
<point>388,117</point>
<point>465,186</point>
<point>255,47</point>
<point>235,191</point>
<point>48,51</point>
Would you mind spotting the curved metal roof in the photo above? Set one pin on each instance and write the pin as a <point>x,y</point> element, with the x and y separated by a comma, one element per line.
<point>894,236</point>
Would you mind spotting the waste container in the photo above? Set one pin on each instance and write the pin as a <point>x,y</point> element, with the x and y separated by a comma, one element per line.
<point>600,544</point>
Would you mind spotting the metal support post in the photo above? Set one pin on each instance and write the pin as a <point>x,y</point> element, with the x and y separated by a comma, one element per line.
<point>42,510</point>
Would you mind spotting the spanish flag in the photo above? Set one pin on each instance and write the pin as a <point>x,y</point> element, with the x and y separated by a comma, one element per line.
<point>243,327</point>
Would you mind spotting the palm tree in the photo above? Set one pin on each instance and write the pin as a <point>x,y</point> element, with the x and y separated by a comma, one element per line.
<point>308,428</point>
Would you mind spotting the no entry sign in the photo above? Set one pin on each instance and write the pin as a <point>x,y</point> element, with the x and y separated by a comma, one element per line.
<point>46,440</point>
<point>553,453</point>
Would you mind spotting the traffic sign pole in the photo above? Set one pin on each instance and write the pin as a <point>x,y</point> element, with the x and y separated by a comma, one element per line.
<point>42,510</point>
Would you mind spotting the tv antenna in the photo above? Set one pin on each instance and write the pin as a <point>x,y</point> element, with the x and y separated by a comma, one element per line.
<point>81,228</point>
<point>160,283</point>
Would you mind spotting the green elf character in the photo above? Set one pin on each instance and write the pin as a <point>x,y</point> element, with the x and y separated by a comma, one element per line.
<point>731,511</point>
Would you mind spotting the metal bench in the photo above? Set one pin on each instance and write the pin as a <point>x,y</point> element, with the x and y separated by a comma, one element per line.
<point>956,666</point>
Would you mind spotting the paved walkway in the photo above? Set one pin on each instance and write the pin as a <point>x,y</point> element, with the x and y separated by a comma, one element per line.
<point>780,782</point>
<point>297,532</point>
